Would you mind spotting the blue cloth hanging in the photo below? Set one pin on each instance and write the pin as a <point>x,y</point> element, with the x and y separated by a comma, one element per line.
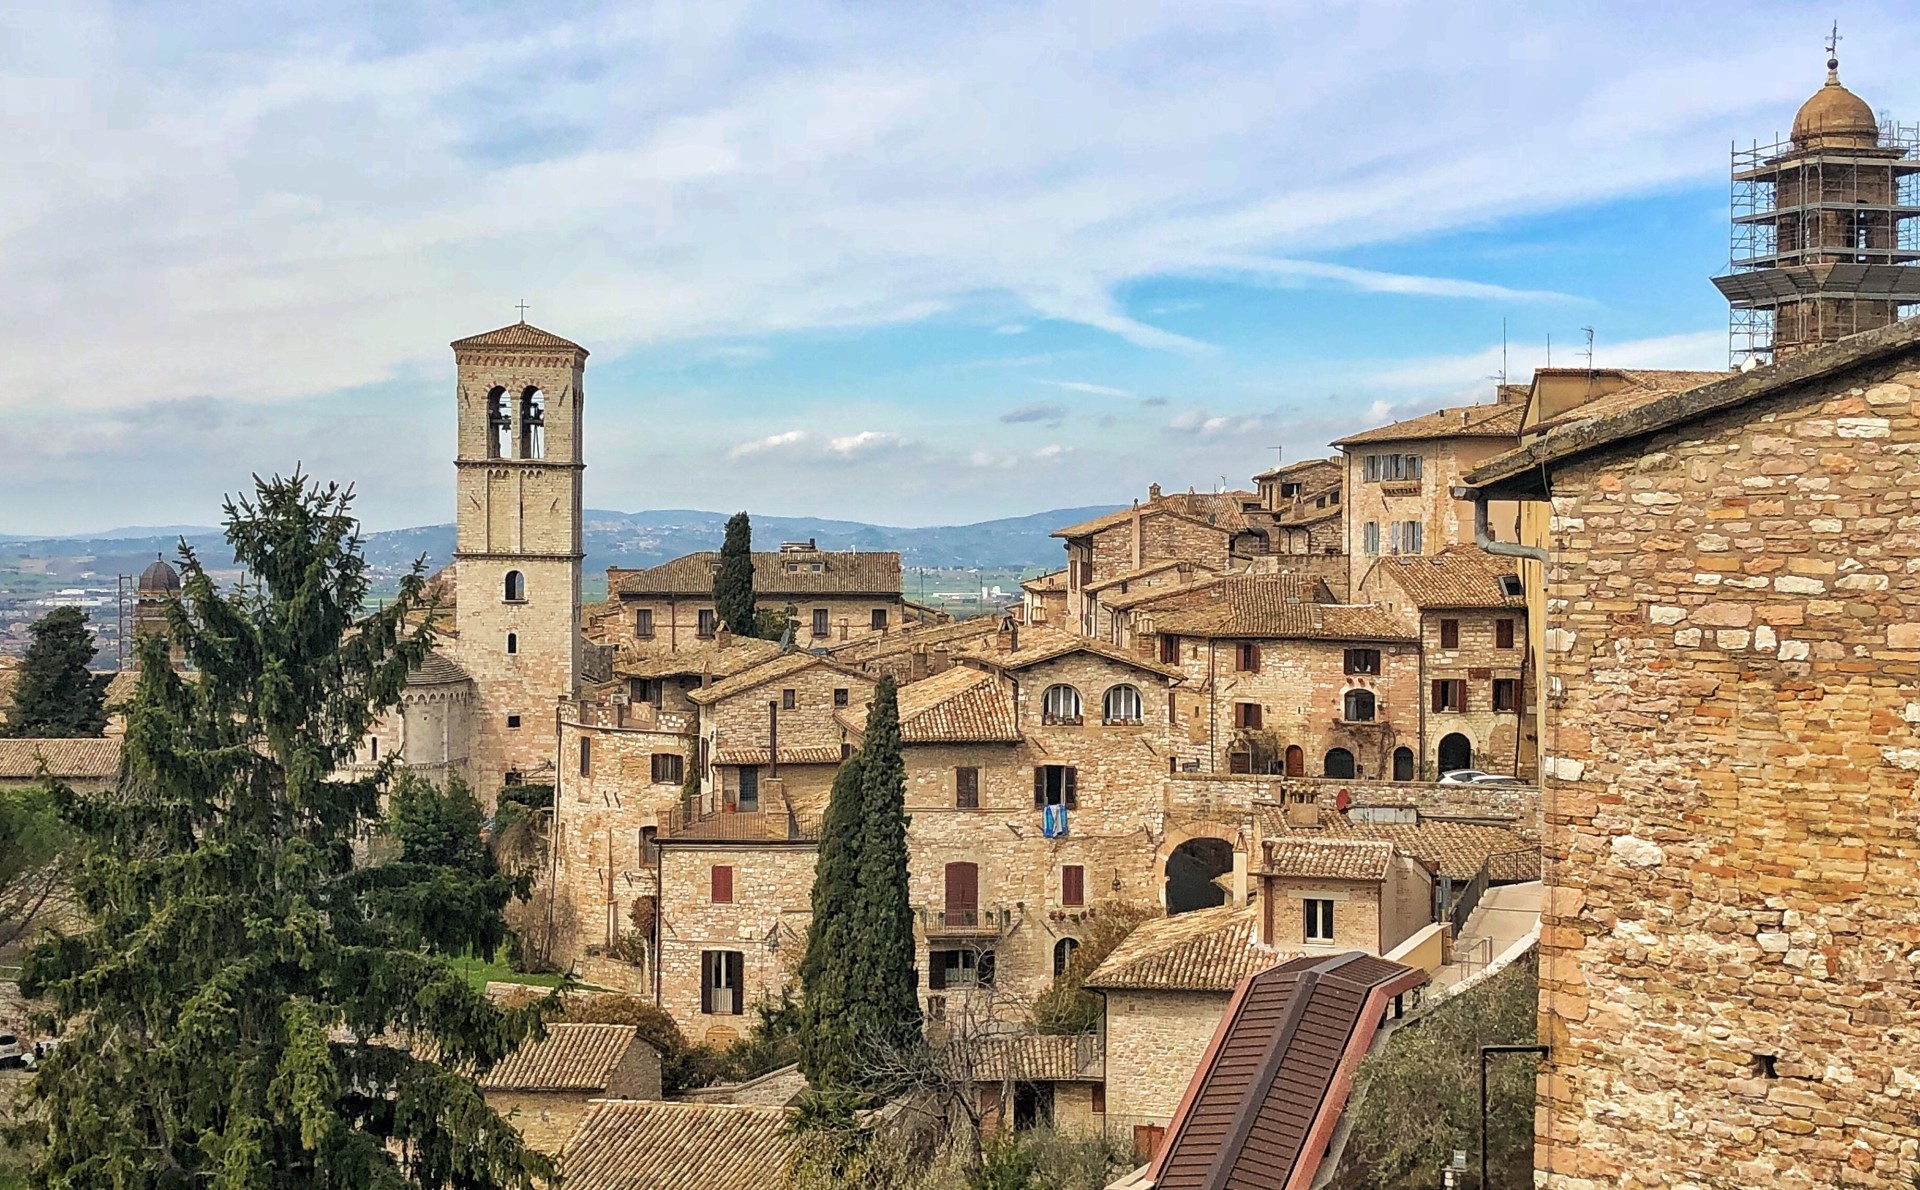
<point>1053,821</point>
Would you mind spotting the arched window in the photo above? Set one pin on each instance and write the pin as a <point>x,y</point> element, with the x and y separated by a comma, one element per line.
<point>1060,704</point>
<point>1359,706</point>
<point>1121,704</point>
<point>1403,764</point>
<point>1456,752</point>
<point>513,642</point>
<point>1063,954</point>
<point>516,587</point>
<point>1338,763</point>
<point>533,424</point>
<point>499,424</point>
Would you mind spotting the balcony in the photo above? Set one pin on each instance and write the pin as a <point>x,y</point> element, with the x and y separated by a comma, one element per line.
<point>964,923</point>
<point>693,822</point>
<point>1400,487</point>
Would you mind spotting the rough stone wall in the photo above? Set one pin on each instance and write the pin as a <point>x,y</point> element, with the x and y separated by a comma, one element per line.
<point>766,923</point>
<point>1428,500</point>
<point>1730,958</point>
<point>637,1076</point>
<point>546,1119</point>
<point>1514,806</point>
<point>741,721</point>
<point>1155,1041</point>
<point>1356,913</point>
<point>599,819</point>
<point>676,621</point>
<point>1073,1109</point>
<point>1502,740</point>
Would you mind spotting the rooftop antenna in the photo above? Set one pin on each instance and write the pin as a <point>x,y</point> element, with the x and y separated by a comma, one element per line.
<point>1279,456</point>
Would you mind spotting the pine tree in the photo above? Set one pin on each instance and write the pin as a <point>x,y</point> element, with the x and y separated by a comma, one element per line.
<point>240,1010</point>
<point>857,977</point>
<point>733,598</point>
<point>57,696</point>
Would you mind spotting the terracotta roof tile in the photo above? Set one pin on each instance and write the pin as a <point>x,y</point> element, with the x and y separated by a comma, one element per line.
<point>961,705</point>
<point>1273,607</point>
<point>1038,644</point>
<point>1644,387</point>
<point>926,636</point>
<point>569,1058</point>
<point>1224,511</point>
<point>68,759</point>
<point>1327,859</point>
<point>809,754</point>
<point>1459,848</point>
<point>520,335</point>
<point>651,1145</point>
<point>657,659</point>
<point>783,666</point>
<point>1053,580</point>
<point>839,574</point>
<point>1464,421</point>
<point>1207,950</point>
<point>1304,471</point>
<point>1035,1057</point>
<point>437,669</point>
<point>1462,576</point>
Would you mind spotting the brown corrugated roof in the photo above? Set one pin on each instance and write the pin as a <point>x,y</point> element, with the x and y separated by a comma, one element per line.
<point>961,705</point>
<point>522,335</point>
<point>1262,1106</point>
<point>1328,859</point>
<point>1207,950</point>
<point>67,759</point>
<point>569,1058</point>
<point>1459,848</point>
<point>1460,576</point>
<point>1464,421</point>
<point>1038,643</point>
<point>783,666</point>
<point>651,1145</point>
<point>840,574</point>
<point>1273,607</point>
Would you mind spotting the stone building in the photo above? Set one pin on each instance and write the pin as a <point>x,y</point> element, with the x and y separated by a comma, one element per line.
<point>1279,679</point>
<point>545,1087</point>
<point>919,650</point>
<point>769,739</point>
<point>1400,478</point>
<point>1214,532</point>
<point>1044,599</point>
<point>1310,517</point>
<point>1731,923</point>
<point>1469,608</point>
<point>836,597</point>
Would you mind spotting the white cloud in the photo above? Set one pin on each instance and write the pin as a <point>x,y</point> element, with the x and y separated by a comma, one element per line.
<point>785,441</point>
<point>1010,328</point>
<point>1194,421</point>
<point>1051,450</point>
<point>1082,386</point>
<point>864,443</point>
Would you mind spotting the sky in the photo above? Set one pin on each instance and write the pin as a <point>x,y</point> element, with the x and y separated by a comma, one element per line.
<point>903,263</point>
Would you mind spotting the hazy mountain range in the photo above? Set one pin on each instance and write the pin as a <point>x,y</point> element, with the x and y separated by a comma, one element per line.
<point>612,539</point>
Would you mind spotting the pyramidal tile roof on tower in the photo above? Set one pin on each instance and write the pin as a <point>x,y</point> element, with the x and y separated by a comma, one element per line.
<point>522,335</point>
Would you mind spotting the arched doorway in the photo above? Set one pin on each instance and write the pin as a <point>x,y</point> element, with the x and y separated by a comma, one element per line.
<point>1456,752</point>
<point>1338,763</point>
<point>1296,761</point>
<point>1193,871</point>
<point>1403,764</point>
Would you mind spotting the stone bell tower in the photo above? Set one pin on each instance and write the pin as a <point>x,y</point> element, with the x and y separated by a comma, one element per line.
<point>518,546</point>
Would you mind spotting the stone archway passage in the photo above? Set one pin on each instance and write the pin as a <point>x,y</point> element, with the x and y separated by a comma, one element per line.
<point>1193,873</point>
<point>1456,752</point>
<point>1338,763</point>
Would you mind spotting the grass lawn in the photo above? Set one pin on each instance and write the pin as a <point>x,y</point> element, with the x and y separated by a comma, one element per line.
<point>480,972</point>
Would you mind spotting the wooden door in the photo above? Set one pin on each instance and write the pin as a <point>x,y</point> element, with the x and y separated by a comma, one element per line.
<point>963,894</point>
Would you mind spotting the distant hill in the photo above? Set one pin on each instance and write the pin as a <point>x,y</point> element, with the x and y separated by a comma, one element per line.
<point>612,539</point>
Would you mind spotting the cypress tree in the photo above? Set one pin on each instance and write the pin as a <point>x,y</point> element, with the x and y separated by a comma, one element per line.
<point>828,1047</point>
<point>57,696</point>
<point>240,1009</point>
<point>733,599</point>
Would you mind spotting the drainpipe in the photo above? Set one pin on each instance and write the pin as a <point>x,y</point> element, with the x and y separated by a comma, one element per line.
<point>1483,538</point>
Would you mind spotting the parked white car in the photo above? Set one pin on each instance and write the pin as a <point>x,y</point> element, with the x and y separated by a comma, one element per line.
<point>11,1053</point>
<point>1477,777</point>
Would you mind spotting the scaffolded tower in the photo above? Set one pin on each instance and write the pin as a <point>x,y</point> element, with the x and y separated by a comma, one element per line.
<point>1826,229</point>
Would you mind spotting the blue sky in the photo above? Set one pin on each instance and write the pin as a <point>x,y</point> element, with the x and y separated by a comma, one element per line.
<point>901,263</point>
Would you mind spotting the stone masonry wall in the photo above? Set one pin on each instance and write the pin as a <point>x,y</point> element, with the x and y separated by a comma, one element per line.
<point>766,923</point>
<point>600,816</point>
<point>1155,1041</point>
<point>1730,960</point>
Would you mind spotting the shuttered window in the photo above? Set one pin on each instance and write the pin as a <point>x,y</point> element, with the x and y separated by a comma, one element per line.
<point>722,884</point>
<point>1449,634</point>
<point>586,757</point>
<point>1073,885</point>
<point>1503,634</point>
<point>669,768</point>
<point>1056,785</point>
<point>819,621</point>
<point>963,894</point>
<point>1449,695</point>
<point>1246,657</point>
<point>721,973</point>
<point>1246,715</point>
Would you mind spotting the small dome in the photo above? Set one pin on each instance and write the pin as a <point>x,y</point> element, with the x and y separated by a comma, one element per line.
<point>159,579</point>
<point>1835,116</point>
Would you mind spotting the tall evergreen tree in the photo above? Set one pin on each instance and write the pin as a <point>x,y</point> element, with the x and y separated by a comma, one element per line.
<point>57,695</point>
<point>229,1017</point>
<point>857,977</point>
<point>733,598</point>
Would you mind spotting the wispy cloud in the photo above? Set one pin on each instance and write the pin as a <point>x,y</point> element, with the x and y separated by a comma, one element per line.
<point>1206,425</point>
<point>1082,386</point>
<point>1050,414</point>
<point>784,441</point>
<point>1051,450</point>
<point>865,443</point>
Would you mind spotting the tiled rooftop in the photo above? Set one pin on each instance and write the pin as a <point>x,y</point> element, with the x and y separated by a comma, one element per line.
<point>1464,421</point>
<point>69,759</point>
<point>1461,576</point>
<point>569,1058</point>
<point>1327,859</point>
<point>651,1145</point>
<point>961,705</point>
<point>1272,607</point>
<point>776,575</point>
<point>1207,950</point>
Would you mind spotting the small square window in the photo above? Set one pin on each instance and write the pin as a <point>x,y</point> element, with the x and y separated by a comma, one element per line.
<point>1319,920</point>
<point>840,696</point>
<point>513,722</point>
<point>789,699</point>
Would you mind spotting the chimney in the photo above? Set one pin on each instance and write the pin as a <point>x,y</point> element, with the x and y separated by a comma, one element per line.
<point>722,637</point>
<point>1304,814</point>
<point>917,667</point>
<point>1153,491</point>
<point>1006,640</point>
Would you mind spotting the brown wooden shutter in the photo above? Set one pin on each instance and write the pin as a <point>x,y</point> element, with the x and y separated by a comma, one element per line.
<point>1099,1099</point>
<point>1439,697</point>
<point>1072,780</point>
<point>966,787</point>
<point>706,981</point>
<point>1073,885</point>
<point>1253,655</point>
<point>1503,634</point>
<point>936,972</point>
<point>736,980</point>
<point>1449,634</point>
<point>963,893</point>
<point>1039,785</point>
<point>722,884</point>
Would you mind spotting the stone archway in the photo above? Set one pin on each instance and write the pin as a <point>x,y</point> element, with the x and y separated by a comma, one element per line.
<point>1194,870</point>
<point>1456,752</point>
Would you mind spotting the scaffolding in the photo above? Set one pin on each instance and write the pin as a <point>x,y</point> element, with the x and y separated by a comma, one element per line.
<point>1825,242</point>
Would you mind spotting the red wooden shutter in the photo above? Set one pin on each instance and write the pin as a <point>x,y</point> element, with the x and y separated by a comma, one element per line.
<point>1073,885</point>
<point>1072,796</point>
<point>963,893</point>
<point>722,884</point>
<point>1039,785</point>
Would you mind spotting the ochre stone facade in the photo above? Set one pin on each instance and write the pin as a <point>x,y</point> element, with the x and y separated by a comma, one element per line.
<point>1155,1041</point>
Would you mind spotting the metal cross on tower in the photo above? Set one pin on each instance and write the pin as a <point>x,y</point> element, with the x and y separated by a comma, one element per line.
<point>1833,44</point>
<point>522,307</point>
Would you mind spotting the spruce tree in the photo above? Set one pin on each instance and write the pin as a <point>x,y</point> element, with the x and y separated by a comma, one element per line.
<point>57,696</point>
<point>241,1009</point>
<point>733,599</point>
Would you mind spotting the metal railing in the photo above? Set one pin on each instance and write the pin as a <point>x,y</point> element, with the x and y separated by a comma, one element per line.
<point>694,822</point>
<point>972,922</point>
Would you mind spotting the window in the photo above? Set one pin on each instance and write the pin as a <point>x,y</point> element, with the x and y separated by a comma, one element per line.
<point>749,789</point>
<point>1506,694</point>
<point>1503,634</point>
<point>1099,1099</point>
<point>1406,537</point>
<point>1403,764</point>
<point>515,587</point>
<point>499,424</point>
<point>721,974</point>
<point>649,850</point>
<point>374,744</point>
<point>1338,763</point>
<point>513,643</point>
<point>1063,954</point>
<point>966,787</point>
<point>1412,467</point>
<point>513,722</point>
<point>840,696</point>
<point>1056,785</point>
<point>963,894</point>
<point>879,619</point>
<point>586,756</point>
<point>1363,661</point>
<point>1121,705</point>
<point>789,699</point>
<point>1370,537</point>
<point>1511,586</point>
<point>1449,695</point>
<point>1246,657</point>
<point>1358,706</point>
<point>669,768</point>
<point>1449,634</point>
<point>1169,650</point>
<point>1060,704</point>
<point>722,884</point>
<point>706,622</point>
<point>1246,716</point>
<point>959,969</point>
<point>1319,915</point>
<point>643,623</point>
<point>820,627</point>
<point>1073,885</point>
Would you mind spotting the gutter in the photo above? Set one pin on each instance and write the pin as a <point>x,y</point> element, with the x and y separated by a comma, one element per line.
<point>1483,537</point>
